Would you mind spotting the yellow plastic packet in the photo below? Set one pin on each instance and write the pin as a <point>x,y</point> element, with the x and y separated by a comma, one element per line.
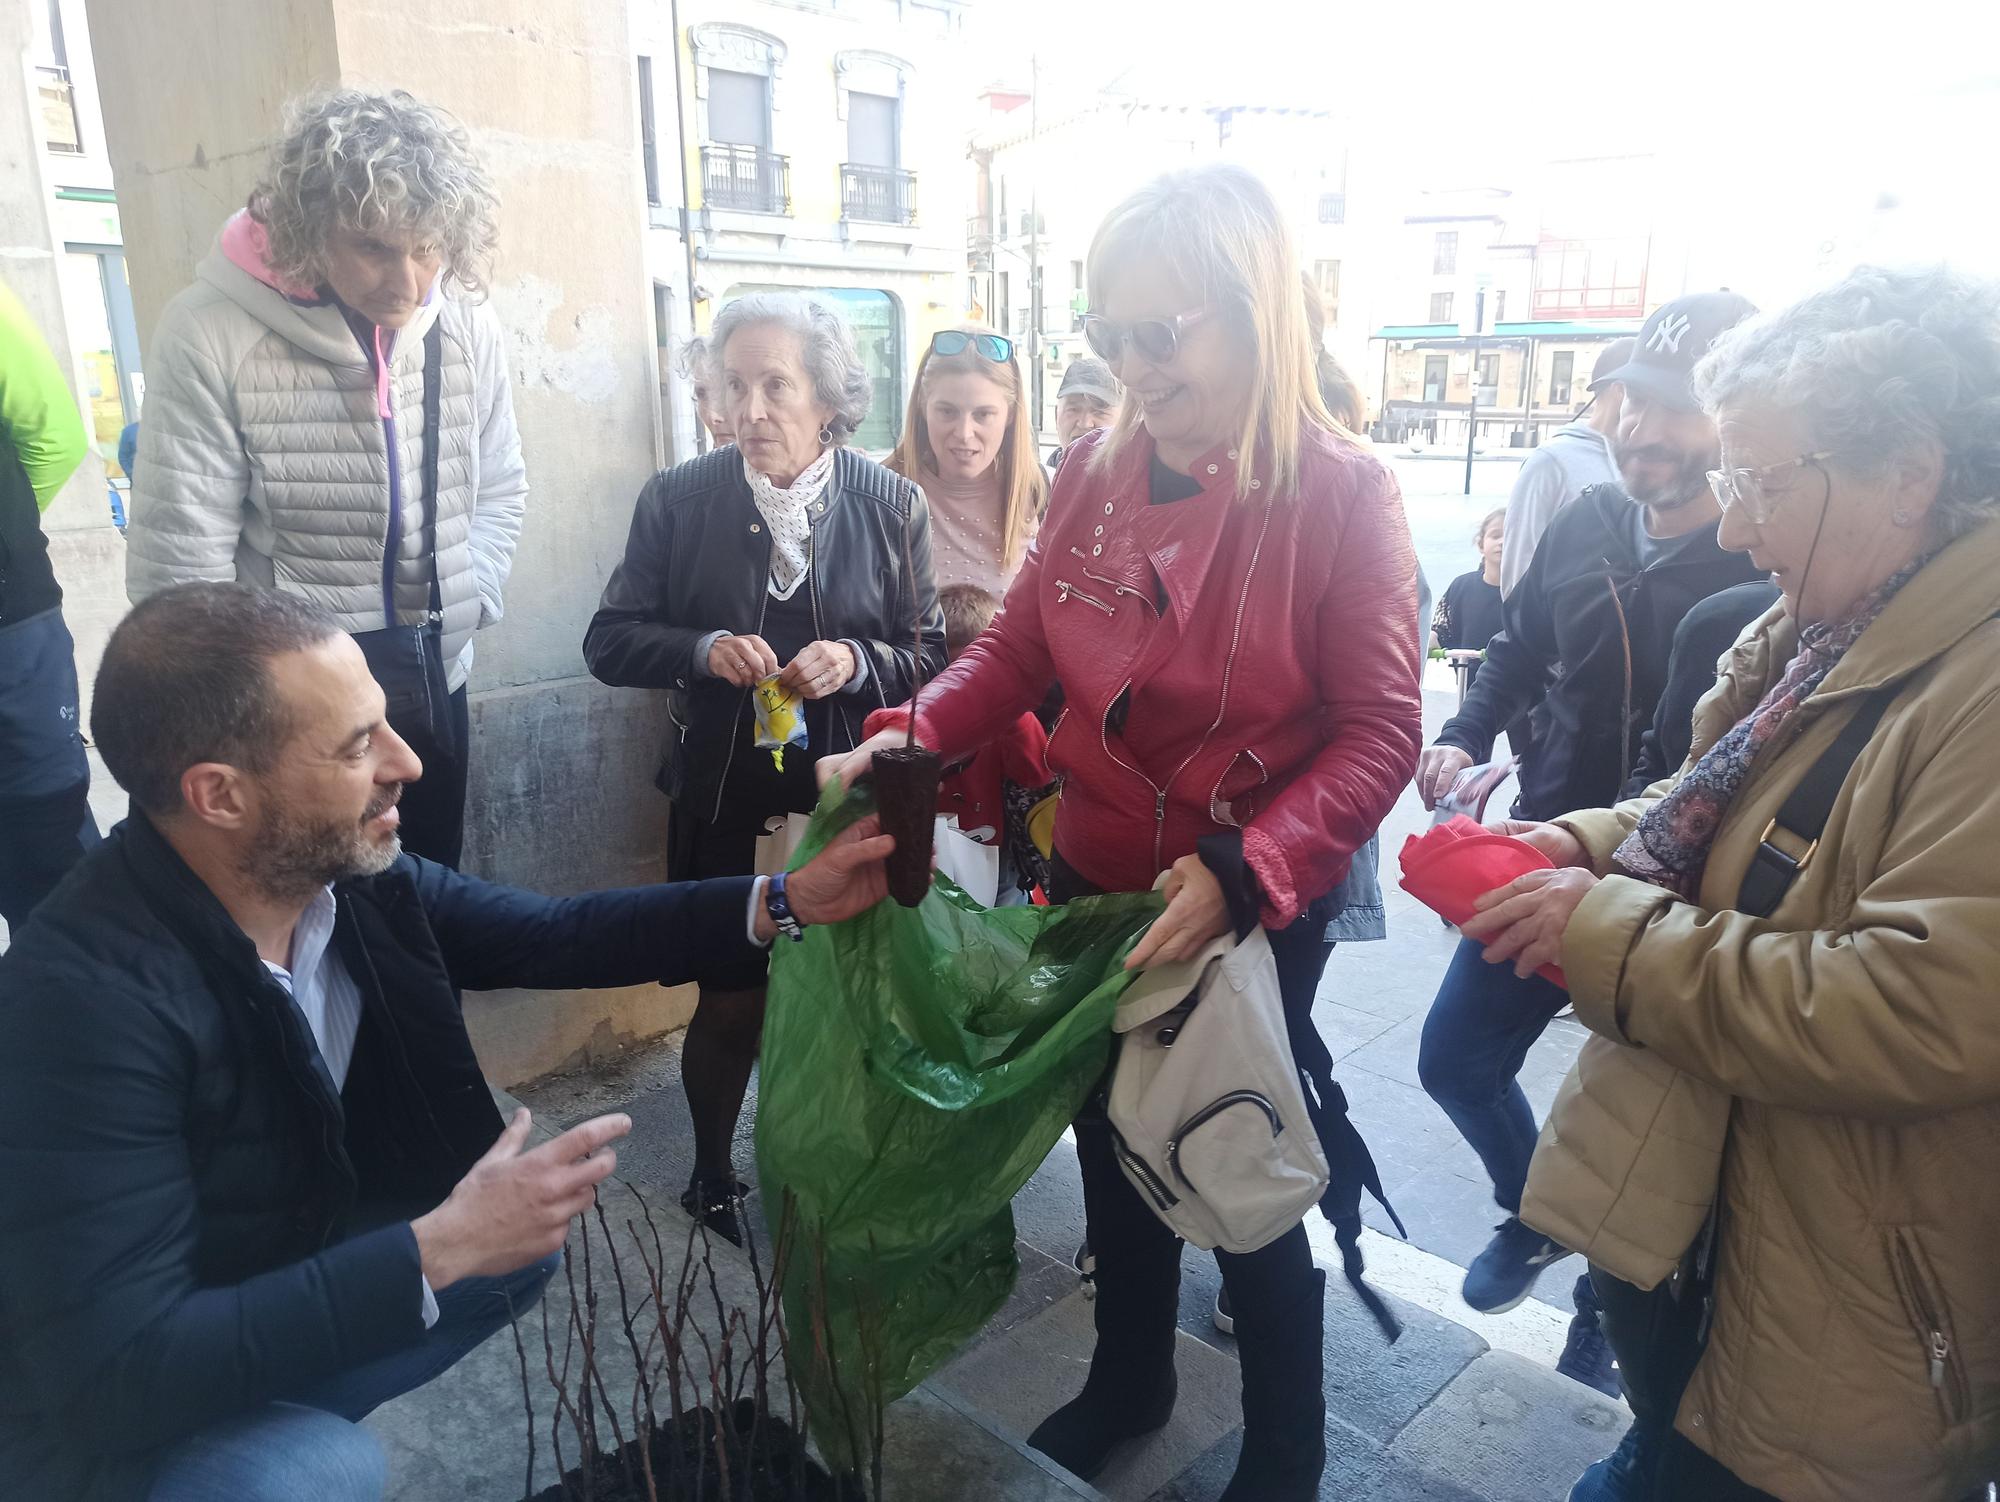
<point>781,719</point>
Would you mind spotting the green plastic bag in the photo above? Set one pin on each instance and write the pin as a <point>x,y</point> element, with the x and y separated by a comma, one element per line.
<point>918,1066</point>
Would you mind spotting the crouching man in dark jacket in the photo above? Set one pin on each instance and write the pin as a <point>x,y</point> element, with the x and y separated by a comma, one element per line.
<point>252,1183</point>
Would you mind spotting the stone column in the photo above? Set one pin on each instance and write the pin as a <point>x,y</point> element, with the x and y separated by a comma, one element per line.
<point>562,797</point>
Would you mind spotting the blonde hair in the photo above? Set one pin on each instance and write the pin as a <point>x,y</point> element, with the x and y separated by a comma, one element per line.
<point>1024,489</point>
<point>1218,231</point>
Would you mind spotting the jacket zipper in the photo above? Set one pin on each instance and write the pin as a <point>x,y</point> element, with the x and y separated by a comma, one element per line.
<point>1116,587</point>
<point>763,604</point>
<point>1941,1362</point>
<point>1221,707</point>
<point>1155,1186</point>
<point>1207,1114</point>
<point>1065,591</point>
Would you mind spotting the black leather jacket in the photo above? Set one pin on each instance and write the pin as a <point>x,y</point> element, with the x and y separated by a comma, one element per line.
<point>699,560</point>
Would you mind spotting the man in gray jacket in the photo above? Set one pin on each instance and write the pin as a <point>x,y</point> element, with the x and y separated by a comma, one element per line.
<point>1573,459</point>
<point>328,414</point>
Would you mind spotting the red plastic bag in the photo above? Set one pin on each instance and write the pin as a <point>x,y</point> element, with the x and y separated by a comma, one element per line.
<point>1452,866</point>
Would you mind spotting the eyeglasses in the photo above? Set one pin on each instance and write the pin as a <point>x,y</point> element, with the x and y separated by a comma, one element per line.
<point>1747,489</point>
<point>1158,340</point>
<point>995,347</point>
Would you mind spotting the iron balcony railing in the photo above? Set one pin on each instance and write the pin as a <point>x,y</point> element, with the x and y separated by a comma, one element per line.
<point>746,177</point>
<point>880,195</point>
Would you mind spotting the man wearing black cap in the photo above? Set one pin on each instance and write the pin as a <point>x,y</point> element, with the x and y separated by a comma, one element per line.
<point>1594,620</point>
<point>1571,460</point>
<point>1086,400</point>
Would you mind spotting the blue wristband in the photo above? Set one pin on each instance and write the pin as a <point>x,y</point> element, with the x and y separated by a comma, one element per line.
<point>780,909</point>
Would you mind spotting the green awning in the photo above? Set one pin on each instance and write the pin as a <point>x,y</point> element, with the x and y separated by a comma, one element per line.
<point>1419,331</point>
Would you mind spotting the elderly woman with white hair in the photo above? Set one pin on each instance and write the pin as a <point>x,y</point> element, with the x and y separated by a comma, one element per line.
<point>1778,1151</point>
<point>786,555</point>
<point>328,414</point>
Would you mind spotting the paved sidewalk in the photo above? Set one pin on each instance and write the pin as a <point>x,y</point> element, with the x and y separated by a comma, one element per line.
<point>1461,1409</point>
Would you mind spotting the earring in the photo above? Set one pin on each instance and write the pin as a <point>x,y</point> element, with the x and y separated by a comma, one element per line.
<point>826,437</point>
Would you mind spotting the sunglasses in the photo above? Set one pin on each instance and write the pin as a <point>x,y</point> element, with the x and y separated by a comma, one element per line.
<point>995,347</point>
<point>1158,340</point>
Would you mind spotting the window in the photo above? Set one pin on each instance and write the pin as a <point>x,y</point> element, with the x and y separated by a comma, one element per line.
<point>1444,253</point>
<point>1500,305</point>
<point>648,146</point>
<point>1489,377</point>
<point>1436,369</point>
<point>874,130</point>
<point>1005,310</point>
<point>1079,296</point>
<point>739,108</point>
<point>1326,277</point>
<point>1590,279</point>
<point>1562,370</point>
<point>1441,307</point>
<point>1333,208</point>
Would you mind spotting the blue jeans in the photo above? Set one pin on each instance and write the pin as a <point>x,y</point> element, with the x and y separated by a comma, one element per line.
<point>311,1446</point>
<point>1478,1033</point>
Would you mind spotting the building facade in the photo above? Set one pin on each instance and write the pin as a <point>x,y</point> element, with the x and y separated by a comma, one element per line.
<point>810,145</point>
<point>1047,172</point>
<point>83,213</point>
<point>1500,300</point>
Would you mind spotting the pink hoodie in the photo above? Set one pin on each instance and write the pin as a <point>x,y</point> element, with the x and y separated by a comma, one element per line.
<point>248,246</point>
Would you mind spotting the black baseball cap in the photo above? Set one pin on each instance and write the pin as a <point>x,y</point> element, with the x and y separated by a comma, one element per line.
<point>1617,354</point>
<point>1672,343</point>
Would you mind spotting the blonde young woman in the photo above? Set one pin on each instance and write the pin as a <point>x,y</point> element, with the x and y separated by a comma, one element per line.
<point>1226,592</point>
<point>968,440</point>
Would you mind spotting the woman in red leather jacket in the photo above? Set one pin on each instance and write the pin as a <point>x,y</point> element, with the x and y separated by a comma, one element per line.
<point>1224,590</point>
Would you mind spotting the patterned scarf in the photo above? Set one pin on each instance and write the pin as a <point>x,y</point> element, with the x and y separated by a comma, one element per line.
<point>788,513</point>
<point>1670,845</point>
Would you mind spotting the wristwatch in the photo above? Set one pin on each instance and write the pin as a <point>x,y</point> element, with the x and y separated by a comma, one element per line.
<point>780,909</point>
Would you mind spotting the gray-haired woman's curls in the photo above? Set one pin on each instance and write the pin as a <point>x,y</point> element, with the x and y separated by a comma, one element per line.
<point>839,379</point>
<point>376,163</point>
<point>1875,363</point>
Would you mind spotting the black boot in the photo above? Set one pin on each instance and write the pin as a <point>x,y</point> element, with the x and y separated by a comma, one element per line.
<point>1131,1388</point>
<point>1279,1342</point>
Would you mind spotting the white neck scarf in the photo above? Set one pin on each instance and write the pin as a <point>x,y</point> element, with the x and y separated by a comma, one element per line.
<point>788,513</point>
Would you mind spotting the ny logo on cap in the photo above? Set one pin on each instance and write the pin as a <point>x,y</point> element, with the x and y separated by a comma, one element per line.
<point>1666,339</point>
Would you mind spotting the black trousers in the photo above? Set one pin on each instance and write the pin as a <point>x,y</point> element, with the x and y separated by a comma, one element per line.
<point>1657,1339</point>
<point>40,839</point>
<point>1266,1286</point>
<point>433,806</point>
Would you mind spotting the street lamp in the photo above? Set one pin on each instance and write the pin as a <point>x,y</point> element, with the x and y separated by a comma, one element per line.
<point>1472,409</point>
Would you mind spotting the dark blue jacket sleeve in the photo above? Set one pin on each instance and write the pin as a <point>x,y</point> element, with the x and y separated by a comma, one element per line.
<point>1515,674</point>
<point>494,937</point>
<point>98,1221</point>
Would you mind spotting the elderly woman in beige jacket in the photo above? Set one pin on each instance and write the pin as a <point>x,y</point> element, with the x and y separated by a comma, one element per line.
<point>1779,1152</point>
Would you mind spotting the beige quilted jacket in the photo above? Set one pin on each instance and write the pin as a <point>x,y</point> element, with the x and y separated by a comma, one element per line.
<point>1834,1071</point>
<point>263,456</point>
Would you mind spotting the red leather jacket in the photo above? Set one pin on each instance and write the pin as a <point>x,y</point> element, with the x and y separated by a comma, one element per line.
<point>1277,693</point>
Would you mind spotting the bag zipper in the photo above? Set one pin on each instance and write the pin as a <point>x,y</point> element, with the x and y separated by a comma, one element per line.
<point>1163,1197</point>
<point>1207,1114</point>
<point>1941,1362</point>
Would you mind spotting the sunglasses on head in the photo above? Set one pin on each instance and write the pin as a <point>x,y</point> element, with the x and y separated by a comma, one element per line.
<point>995,347</point>
<point>1158,340</point>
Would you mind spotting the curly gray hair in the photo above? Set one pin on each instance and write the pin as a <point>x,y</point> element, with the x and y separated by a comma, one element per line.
<point>839,379</point>
<point>1878,363</point>
<point>375,163</point>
